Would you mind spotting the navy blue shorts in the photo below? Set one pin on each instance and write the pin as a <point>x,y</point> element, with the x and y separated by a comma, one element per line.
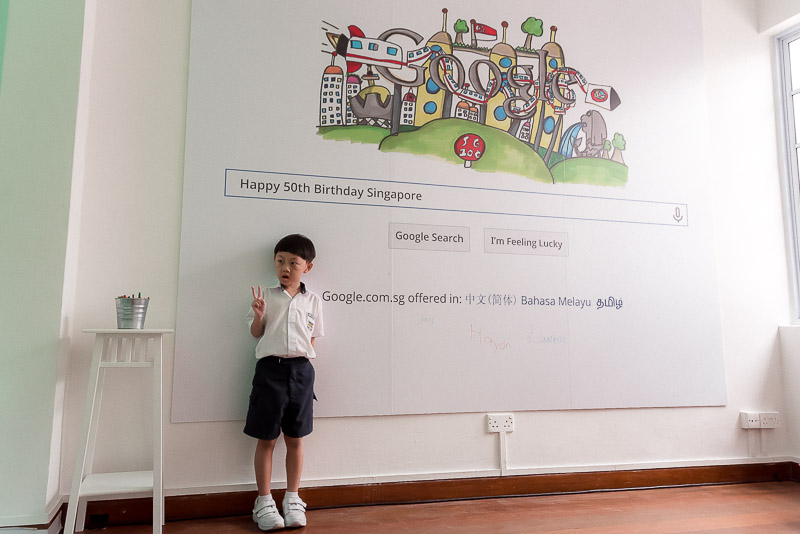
<point>282,398</point>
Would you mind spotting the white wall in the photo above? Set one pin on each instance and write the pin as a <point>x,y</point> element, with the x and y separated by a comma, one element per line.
<point>129,242</point>
<point>777,15</point>
<point>38,100</point>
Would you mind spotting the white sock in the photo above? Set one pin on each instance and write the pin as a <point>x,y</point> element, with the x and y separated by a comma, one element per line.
<point>264,498</point>
<point>291,494</point>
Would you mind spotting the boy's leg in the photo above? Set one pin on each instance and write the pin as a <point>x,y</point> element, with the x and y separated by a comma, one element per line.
<point>298,421</point>
<point>294,509</point>
<point>294,462</point>
<point>265,511</point>
<point>263,464</point>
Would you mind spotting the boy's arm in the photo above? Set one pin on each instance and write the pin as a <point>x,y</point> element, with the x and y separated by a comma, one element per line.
<point>258,306</point>
<point>257,326</point>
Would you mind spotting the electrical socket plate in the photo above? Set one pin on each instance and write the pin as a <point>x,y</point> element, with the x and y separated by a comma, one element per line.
<point>770,419</point>
<point>750,419</point>
<point>500,422</point>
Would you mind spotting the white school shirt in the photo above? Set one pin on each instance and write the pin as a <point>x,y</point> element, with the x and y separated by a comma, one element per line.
<point>290,323</point>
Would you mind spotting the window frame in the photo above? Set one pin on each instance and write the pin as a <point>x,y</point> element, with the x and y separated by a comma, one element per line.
<point>789,148</point>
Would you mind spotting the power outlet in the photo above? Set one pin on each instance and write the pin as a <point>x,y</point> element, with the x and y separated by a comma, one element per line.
<point>500,422</point>
<point>750,419</point>
<point>770,419</point>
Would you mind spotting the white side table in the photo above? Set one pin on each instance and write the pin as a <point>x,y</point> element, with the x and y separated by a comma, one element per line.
<point>118,348</point>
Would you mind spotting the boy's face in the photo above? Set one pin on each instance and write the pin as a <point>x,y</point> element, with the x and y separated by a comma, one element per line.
<point>289,268</point>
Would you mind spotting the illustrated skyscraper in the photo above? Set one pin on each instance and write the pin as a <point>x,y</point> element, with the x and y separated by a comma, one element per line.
<point>330,96</point>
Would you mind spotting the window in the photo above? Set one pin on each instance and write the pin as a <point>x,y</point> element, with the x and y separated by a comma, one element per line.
<point>355,44</point>
<point>788,81</point>
<point>392,51</point>
<point>373,46</point>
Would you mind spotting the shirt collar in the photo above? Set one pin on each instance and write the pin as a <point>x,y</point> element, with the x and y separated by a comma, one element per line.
<point>302,288</point>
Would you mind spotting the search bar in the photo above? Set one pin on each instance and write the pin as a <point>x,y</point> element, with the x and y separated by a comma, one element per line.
<point>270,185</point>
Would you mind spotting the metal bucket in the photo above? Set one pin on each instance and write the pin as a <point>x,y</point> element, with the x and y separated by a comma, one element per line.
<point>131,313</point>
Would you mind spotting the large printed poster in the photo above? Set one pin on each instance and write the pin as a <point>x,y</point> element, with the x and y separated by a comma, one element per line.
<point>508,203</point>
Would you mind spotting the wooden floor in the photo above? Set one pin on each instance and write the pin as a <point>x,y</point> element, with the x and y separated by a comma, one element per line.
<point>742,508</point>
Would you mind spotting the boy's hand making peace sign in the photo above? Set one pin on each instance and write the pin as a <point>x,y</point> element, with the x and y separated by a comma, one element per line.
<point>259,305</point>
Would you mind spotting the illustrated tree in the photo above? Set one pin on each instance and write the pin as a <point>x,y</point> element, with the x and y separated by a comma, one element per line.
<point>606,149</point>
<point>619,146</point>
<point>532,26</point>
<point>460,27</point>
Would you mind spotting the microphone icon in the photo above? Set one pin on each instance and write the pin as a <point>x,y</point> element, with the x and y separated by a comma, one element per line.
<point>678,216</point>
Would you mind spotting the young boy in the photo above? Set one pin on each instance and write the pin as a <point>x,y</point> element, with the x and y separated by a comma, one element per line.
<point>285,319</point>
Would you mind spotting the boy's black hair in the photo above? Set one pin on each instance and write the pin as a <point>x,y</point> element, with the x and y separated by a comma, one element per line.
<point>297,244</point>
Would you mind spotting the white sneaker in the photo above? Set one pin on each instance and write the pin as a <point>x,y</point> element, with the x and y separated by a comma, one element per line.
<point>294,512</point>
<point>265,513</point>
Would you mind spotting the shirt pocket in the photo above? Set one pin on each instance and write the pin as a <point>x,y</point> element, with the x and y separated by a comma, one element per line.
<point>310,321</point>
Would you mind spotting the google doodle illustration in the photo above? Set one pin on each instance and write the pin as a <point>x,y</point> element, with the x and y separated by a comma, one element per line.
<point>512,109</point>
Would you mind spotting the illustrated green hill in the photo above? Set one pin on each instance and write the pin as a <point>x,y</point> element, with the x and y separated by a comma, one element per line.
<point>354,134</point>
<point>590,171</point>
<point>504,152</point>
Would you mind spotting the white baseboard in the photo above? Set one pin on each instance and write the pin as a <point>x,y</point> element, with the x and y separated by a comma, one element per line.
<point>511,471</point>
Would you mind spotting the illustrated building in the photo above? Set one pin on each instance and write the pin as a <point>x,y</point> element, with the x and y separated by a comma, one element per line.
<point>467,111</point>
<point>352,89</point>
<point>409,108</point>
<point>372,106</point>
<point>432,102</point>
<point>546,125</point>
<point>330,97</point>
<point>474,113</point>
<point>504,56</point>
<point>524,132</point>
<point>462,110</point>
